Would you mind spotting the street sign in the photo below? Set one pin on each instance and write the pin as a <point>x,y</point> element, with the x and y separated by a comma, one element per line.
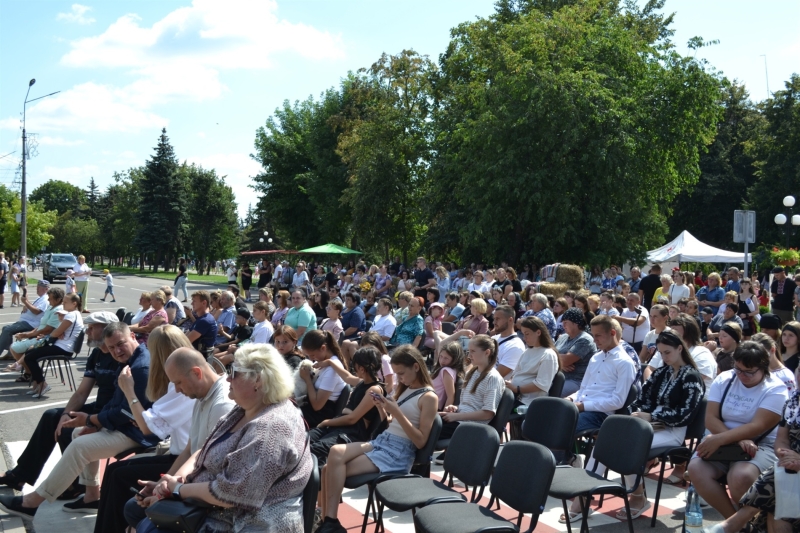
<point>744,226</point>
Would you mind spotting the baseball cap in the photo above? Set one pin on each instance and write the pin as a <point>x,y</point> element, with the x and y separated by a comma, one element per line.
<point>101,317</point>
<point>244,313</point>
<point>491,302</point>
<point>43,283</point>
<point>707,311</point>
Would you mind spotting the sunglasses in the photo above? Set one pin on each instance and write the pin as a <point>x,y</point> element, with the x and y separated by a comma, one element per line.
<point>234,369</point>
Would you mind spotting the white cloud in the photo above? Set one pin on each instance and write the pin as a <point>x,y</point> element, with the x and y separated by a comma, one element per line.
<point>76,15</point>
<point>46,140</point>
<point>76,175</point>
<point>238,168</point>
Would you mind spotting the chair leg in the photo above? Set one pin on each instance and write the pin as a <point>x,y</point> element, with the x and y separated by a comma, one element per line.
<point>71,378</point>
<point>370,506</point>
<point>628,511</point>
<point>658,492</point>
<point>566,516</point>
<point>585,514</point>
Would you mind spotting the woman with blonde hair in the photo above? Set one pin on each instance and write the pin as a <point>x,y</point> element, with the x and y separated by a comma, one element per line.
<point>154,318</point>
<point>283,307</point>
<point>169,416</point>
<point>265,295</point>
<point>442,282</point>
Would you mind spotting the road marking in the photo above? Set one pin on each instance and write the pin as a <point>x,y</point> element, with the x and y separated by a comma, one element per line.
<point>41,406</point>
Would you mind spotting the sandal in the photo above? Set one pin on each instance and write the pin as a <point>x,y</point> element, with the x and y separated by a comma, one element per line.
<point>573,515</point>
<point>24,378</point>
<point>13,367</point>
<point>635,513</point>
<point>674,480</point>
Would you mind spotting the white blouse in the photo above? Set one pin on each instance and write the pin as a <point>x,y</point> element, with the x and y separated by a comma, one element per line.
<point>171,416</point>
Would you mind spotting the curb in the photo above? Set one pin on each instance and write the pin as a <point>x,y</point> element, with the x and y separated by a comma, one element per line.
<point>8,524</point>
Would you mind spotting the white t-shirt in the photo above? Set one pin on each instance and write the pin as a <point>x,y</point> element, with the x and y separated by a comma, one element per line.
<point>741,403</point>
<point>278,274</point>
<point>509,352</point>
<point>650,344</point>
<point>231,273</point>
<point>641,329</point>
<point>109,280</point>
<point>539,366</point>
<point>262,332</point>
<point>704,359</point>
<point>329,380</point>
<point>300,280</point>
<point>676,292</point>
<point>71,333</point>
<point>81,272</point>
<point>785,375</point>
<point>384,325</point>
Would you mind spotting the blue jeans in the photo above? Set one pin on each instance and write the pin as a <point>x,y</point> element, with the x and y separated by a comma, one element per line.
<point>180,285</point>
<point>590,420</point>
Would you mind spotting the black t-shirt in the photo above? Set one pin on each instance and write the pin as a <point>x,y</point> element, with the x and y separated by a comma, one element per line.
<point>293,360</point>
<point>649,285</point>
<point>423,277</point>
<point>240,303</point>
<point>331,278</point>
<point>502,286</point>
<point>516,286</point>
<point>394,268</point>
<point>792,362</point>
<point>785,300</point>
<point>241,333</point>
<point>103,369</point>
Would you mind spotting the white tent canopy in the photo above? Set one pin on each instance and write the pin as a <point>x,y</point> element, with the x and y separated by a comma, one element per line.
<point>685,247</point>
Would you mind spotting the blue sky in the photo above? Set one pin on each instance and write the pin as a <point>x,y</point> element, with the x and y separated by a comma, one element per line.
<point>213,71</point>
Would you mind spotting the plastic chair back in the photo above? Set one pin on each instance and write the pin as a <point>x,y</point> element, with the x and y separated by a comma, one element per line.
<point>622,433</point>
<point>310,494</point>
<point>558,385</point>
<point>341,401</point>
<point>551,422</point>
<point>503,412</point>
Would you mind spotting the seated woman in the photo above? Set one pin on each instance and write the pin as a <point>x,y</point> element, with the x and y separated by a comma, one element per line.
<point>413,409</point>
<point>411,330</point>
<point>283,307</point>
<point>65,334</point>
<point>482,390</point>
<point>448,374</point>
<point>169,416</point>
<point>320,305</point>
<point>776,367</point>
<point>28,340</point>
<point>360,417</point>
<point>744,408</point>
<point>265,295</point>
<point>368,304</point>
<point>154,318</point>
<point>476,322</point>
<point>757,506</point>
<point>670,396</point>
<point>537,365</point>
<point>790,345</point>
<point>285,341</point>
<point>255,464</point>
<point>327,387</point>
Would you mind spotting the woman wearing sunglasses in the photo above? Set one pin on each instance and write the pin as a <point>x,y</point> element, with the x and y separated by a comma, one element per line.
<point>255,464</point>
<point>744,408</point>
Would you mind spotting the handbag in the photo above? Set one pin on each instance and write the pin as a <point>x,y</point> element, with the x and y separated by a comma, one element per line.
<point>187,516</point>
<point>787,487</point>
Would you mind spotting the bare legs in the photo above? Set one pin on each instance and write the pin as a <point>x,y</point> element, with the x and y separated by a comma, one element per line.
<point>704,478</point>
<point>344,460</point>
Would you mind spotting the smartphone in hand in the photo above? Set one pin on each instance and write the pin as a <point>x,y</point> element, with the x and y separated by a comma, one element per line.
<point>137,494</point>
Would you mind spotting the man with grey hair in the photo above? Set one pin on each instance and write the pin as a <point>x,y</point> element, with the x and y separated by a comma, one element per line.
<point>733,280</point>
<point>172,306</point>
<point>192,376</point>
<point>29,319</point>
<point>227,319</point>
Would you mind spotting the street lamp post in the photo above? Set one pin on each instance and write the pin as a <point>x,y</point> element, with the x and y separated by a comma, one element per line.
<point>781,219</point>
<point>23,244</point>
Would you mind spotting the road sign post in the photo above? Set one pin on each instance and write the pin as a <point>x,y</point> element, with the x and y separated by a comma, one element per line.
<point>744,230</point>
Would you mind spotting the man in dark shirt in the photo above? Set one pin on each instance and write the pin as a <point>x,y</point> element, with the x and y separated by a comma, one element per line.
<point>649,286</point>
<point>353,319</point>
<point>332,277</point>
<point>782,290</point>
<point>396,267</point>
<point>101,370</point>
<point>203,333</point>
<point>424,278</point>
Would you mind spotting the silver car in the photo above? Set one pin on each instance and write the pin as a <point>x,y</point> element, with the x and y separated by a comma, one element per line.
<point>55,266</point>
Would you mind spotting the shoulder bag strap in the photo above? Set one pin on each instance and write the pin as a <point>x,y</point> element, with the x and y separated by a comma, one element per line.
<point>412,395</point>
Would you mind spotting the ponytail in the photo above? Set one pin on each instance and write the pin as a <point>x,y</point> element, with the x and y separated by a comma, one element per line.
<point>316,338</point>
<point>483,342</point>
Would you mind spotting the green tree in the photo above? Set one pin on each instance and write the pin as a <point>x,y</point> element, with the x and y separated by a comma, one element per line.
<point>778,162</point>
<point>121,202</point>
<point>162,205</point>
<point>59,196</point>
<point>387,151</point>
<point>727,172</point>
<point>75,235</point>
<point>213,226</point>
<point>40,223</point>
<point>565,134</point>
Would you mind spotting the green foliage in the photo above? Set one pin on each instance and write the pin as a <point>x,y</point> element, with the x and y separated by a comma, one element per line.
<point>40,221</point>
<point>59,196</point>
<point>75,235</point>
<point>212,223</point>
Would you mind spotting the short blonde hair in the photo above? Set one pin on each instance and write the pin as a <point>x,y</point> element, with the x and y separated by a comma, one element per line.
<point>716,277</point>
<point>158,295</point>
<point>276,377</point>
<point>479,305</point>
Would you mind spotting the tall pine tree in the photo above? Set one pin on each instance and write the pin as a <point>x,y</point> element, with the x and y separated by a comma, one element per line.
<point>162,207</point>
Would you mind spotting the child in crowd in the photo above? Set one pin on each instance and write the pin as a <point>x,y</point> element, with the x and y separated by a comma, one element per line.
<point>69,283</point>
<point>447,372</point>
<point>109,286</point>
<point>263,330</point>
<point>333,323</point>
<point>15,286</point>
<point>607,305</point>
<point>240,333</point>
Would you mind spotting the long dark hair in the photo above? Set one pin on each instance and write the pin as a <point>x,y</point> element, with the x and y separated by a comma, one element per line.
<point>691,331</point>
<point>483,342</point>
<point>373,338</point>
<point>670,338</point>
<point>369,359</point>
<point>316,338</point>
<point>406,355</point>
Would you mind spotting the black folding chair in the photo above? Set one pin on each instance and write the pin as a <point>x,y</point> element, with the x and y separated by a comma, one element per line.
<point>521,479</point>
<point>557,386</point>
<point>51,361</point>
<point>310,494</point>
<point>551,422</point>
<point>121,314</point>
<point>341,401</point>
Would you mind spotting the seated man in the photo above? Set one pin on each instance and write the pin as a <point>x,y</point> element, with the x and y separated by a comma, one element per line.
<point>193,377</point>
<point>729,314</point>
<point>227,319</point>
<point>97,436</point>
<point>173,307</point>
<point>353,319</point>
<point>101,370</point>
<point>29,319</point>
<point>575,348</point>
<point>203,331</point>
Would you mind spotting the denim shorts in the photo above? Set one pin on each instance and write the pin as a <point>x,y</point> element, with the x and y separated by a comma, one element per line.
<point>391,453</point>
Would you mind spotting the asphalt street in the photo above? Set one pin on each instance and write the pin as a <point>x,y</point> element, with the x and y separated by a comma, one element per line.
<point>18,412</point>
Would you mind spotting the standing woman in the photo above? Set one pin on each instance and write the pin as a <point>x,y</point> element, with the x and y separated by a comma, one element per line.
<point>413,410</point>
<point>748,308</point>
<point>232,273</point>
<point>247,280</point>
<point>678,289</point>
<point>264,273</point>
<point>325,389</point>
<point>300,276</point>
<point>319,280</point>
<point>442,282</point>
<point>383,283</point>
<point>595,284</point>
<point>180,280</point>
<point>81,275</point>
<point>776,367</point>
<point>664,290</point>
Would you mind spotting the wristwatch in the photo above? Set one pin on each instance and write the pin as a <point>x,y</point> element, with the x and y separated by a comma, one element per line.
<point>89,423</point>
<point>176,492</point>
<point>135,400</point>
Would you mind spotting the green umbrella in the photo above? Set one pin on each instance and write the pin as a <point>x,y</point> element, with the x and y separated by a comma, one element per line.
<point>329,249</point>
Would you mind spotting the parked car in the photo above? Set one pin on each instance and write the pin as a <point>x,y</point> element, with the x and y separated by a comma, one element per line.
<point>55,266</point>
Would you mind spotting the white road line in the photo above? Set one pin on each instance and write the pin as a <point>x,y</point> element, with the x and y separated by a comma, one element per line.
<point>40,406</point>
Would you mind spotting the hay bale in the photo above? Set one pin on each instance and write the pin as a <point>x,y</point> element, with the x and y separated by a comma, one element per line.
<point>555,290</point>
<point>572,275</point>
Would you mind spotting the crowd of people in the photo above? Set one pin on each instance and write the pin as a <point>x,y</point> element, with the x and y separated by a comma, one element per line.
<point>396,347</point>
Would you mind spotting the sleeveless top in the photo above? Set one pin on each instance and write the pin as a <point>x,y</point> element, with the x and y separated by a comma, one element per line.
<point>368,421</point>
<point>411,411</point>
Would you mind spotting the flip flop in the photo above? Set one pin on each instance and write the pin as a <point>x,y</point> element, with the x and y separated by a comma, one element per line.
<point>635,513</point>
<point>573,515</point>
<point>24,378</point>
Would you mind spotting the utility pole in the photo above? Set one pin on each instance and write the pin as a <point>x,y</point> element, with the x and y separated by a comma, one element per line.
<point>23,243</point>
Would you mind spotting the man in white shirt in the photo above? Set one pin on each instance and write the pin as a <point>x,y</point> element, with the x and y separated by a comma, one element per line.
<point>608,377</point>
<point>81,275</point>
<point>635,321</point>
<point>29,319</point>
<point>509,345</point>
<point>384,325</point>
<point>277,274</point>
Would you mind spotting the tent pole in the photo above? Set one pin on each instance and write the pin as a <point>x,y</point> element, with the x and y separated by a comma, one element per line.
<point>745,258</point>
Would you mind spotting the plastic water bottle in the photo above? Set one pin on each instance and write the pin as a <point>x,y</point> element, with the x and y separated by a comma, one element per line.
<point>694,513</point>
<point>522,409</point>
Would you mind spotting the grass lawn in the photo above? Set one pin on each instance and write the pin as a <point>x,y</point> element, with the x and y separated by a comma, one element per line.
<point>218,279</point>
